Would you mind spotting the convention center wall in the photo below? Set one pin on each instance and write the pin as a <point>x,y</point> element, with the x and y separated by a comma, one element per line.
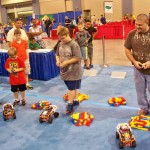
<point>95,7</point>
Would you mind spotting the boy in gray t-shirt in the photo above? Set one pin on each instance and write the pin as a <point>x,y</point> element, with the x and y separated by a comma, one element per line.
<point>68,58</point>
<point>82,38</point>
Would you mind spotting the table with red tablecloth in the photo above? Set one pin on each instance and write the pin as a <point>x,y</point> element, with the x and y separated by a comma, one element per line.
<point>113,31</point>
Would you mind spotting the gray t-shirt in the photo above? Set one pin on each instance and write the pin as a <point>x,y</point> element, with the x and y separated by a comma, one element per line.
<point>67,51</point>
<point>81,38</point>
<point>139,43</point>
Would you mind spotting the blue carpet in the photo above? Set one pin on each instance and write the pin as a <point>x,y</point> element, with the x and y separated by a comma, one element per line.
<point>26,133</point>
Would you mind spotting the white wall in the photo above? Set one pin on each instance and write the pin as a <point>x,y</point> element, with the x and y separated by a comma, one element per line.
<point>7,2</point>
<point>97,8</point>
<point>141,6</point>
<point>52,6</point>
<point>69,5</point>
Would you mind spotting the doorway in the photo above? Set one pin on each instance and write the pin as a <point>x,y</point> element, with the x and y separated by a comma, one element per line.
<point>87,14</point>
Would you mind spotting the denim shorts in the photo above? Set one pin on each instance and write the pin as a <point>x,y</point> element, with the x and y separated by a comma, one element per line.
<point>84,52</point>
<point>73,85</point>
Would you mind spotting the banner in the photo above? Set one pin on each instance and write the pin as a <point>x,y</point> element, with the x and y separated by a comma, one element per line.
<point>108,6</point>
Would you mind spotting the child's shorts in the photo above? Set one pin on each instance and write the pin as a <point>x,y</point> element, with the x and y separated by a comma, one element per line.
<point>73,85</point>
<point>27,64</point>
<point>16,88</point>
<point>84,52</point>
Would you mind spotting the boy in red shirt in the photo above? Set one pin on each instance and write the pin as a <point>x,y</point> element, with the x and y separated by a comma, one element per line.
<point>16,67</point>
<point>21,48</point>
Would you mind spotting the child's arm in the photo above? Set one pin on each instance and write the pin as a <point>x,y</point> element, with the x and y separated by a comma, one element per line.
<point>57,61</point>
<point>15,70</point>
<point>36,33</point>
<point>68,62</point>
<point>7,67</point>
<point>9,70</point>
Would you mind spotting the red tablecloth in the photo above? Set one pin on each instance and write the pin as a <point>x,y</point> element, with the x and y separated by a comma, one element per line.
<point>54,34</point>
<point>113,31</point>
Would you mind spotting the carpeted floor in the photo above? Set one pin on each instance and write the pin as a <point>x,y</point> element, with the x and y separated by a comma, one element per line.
<point>26,133</point>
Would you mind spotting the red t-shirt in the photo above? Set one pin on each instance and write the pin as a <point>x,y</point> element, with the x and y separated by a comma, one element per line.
<point>21,49</point>
<point>19,77</point>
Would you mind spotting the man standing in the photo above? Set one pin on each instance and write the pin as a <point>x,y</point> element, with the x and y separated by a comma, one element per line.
<point>48,26</point>
<point>17,25</point>
<point>137,49</point>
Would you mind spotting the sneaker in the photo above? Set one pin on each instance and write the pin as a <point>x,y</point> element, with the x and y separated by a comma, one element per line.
<point>91,66</point>
<point>84,66</point>
<point>30,87</point>
<point>142,112</point>
<point>75,102</point>
<point>23,102</point>
<point>16,103</point>
<point>69,108</point>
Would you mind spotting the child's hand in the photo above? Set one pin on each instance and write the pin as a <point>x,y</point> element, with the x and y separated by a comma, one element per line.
<point>86,41</point>
<point>63,64</point>
<point>138,65</point>
<point>14,70</point>
<point>146,65</point>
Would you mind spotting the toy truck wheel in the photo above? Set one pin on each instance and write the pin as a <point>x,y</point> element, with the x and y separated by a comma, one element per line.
<point>120,145</point>
<point>133,144</point>
<point>14,116</point>
<point>4,118</point>
<point>40,120</point>
<point>117,135</point>
<point>56,114</point>
<point>50,120</point>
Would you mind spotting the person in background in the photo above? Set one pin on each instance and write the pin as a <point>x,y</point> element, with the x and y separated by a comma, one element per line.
<point>36,31</point>
<point>68,58</point>
<point>88,27</point>
<point>38,22</point>
<point>72,27</point>
<point>98,22</point>
<point>67,22</point>
<point>149,19</point>
<point>48,26</point>
<point>1,33</point>
<point>10,36</point>
<point>93,20</point>
<point>53,20</point>
<point>82,37</point>
<point>22,52</point>
<point>6,30</point>
<point>103,19</point>
<point>16,68</point>
<point>59,26</point>
<point>137,50</point>
<point>17,25</point>
<point>73,22</point>
<point>33,45</point>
